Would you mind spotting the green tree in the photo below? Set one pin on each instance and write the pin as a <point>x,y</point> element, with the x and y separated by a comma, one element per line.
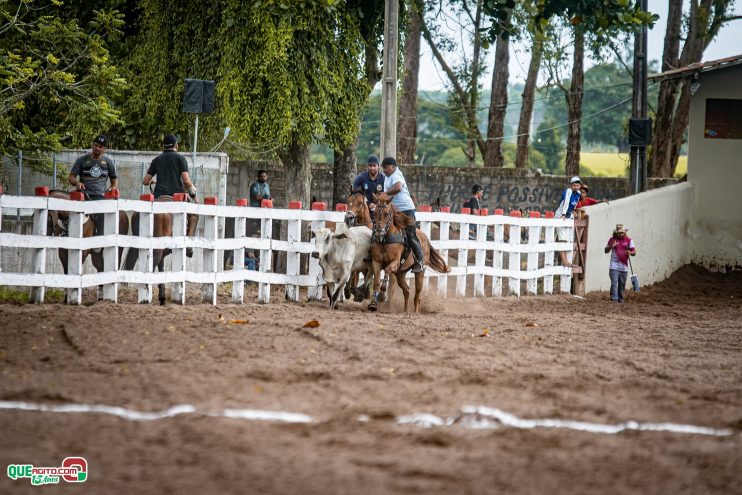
<point>57,80</point>
<point>548,141</point>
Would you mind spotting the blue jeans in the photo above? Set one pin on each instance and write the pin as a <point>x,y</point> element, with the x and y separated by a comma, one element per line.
<point>618,284</point>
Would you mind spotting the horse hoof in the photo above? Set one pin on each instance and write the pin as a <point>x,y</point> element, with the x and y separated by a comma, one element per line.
<point>372,306</point>
<point>189,252</point>
<point>162,302</point>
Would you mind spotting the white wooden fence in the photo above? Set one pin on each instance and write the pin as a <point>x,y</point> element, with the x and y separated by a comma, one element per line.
<point>495,258</point>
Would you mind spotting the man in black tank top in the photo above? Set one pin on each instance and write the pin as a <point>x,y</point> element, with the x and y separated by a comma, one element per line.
<point>171,170</point>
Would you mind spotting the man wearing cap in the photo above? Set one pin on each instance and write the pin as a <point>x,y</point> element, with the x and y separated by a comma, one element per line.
<point>395,187</point>
<point>91,173</point>
<point>570,197</point>
<point>370,182</point>
<point>472,203</point>
<point>171,170</point>
<point>621,247</point>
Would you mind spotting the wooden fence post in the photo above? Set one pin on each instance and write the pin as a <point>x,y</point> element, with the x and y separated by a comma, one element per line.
<point>445,229</point>
<point>534,236</point>
<point>266,232</point>
<point>238,256</point>
<point>480,255</point>
<point>514,258</point>
<point>180,229</point>
<point>293,266</point>
<point>74,256</point>
<point>463,258</point>
<point>111,253</point>
<point>497,256</point>
<point>549,255</point>
<point>40,218</point>
<point>210,256</point>
<point>144,263</point>
<point>314,292</point>
<point>565,280</point>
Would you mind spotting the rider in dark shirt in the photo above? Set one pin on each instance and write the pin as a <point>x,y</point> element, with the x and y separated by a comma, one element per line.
<point>171,170</point>
<point>370,181</point>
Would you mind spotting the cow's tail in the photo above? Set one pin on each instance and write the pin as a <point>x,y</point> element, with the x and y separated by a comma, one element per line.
<point>436,262</point>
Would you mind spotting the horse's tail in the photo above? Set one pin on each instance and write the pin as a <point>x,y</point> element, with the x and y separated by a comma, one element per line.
<point>132,254</point>
<point>436,262</point>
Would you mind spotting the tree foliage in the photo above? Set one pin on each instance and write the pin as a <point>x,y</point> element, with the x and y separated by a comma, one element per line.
<point>57,79</point>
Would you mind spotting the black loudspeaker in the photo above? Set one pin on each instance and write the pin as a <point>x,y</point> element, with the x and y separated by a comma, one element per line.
<point>198,96</point>
<point>640,132</point>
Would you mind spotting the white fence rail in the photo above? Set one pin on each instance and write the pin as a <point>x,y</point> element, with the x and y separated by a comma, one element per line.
<point>478,268</point>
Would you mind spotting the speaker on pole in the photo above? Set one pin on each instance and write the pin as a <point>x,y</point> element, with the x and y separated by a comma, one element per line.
<point>198,96</point>
<point>640,131</point>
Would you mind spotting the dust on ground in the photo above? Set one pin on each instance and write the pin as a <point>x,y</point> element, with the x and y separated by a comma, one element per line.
<point>672,353</point>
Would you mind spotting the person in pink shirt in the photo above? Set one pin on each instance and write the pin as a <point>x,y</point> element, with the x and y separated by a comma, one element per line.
<point>621,247</point>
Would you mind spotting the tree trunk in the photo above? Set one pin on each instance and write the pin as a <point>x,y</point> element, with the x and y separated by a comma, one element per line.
<point>574,105</point>
<point>660,153</point>
<point>298,169</point>
<point>498,105</point>
<point>407,130</point>
<point>673,111</point>
<point>526,109</point>
<point>345,167</point>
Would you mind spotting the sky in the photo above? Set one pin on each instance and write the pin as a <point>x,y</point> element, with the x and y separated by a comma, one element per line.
<point>727,43</point>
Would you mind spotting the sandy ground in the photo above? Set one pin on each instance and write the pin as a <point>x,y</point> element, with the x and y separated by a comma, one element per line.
<point>673,353</point>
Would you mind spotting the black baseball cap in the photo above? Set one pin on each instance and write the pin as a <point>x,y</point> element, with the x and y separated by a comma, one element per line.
<point>373,159</point>
<point>169,140</point>
<point>389,160</point>
<point>476,188</point>
<point>101,139</point>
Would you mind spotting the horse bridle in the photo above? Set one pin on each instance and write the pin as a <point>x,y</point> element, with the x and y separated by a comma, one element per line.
<point>378,234</point>
<point>351,219</point>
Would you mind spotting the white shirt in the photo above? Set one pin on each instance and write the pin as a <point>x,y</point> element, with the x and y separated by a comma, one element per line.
<point>402,201</point>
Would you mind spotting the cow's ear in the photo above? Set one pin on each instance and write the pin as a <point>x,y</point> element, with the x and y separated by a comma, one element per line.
<point>341,236</point>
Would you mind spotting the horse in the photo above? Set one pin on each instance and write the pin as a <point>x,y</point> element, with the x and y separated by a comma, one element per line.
<point>163,227</point>
<point>57,225</point>
<point>358,213</point>
<point>387,249</point>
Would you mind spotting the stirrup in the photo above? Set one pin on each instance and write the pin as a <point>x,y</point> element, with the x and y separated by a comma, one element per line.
<point>417,267</point>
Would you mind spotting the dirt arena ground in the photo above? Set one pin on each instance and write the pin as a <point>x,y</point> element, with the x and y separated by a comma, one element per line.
<point>672,354</point>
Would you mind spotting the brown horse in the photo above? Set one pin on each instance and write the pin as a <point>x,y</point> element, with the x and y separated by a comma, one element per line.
<point>358,213</point>
<point>57,225</point>
<point>163,227</point>
<point>387,249</point>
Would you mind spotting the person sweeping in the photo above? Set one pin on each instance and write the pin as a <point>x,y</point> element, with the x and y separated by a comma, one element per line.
<point>621,247</point>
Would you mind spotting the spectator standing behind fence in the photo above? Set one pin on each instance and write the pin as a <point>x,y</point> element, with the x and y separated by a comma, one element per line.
<point>260,190</point>
<point>473,203</point>
<point>91,173</point>
<point>621,247</point>
<point>568,203</point>
<point>171,170</point>
<point>585,200</point>
<point>370,181</point>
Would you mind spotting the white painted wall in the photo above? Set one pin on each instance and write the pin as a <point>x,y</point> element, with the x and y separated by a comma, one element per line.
<point>658,222</point>
<point>715,170</point>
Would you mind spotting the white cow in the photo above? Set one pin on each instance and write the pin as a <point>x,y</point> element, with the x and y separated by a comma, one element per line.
<point>341,253</point>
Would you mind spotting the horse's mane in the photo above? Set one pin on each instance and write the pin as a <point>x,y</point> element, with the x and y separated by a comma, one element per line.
<point>400,219</point>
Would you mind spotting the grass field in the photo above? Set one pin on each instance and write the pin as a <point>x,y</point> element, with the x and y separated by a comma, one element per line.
<point>616,165</point>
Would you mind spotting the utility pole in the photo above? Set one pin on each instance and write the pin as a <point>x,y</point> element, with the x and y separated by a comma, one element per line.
<point>640,127</point>
<point>389,80</point>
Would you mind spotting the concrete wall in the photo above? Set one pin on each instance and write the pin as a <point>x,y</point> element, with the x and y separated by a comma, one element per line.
<point>209,174</point>
<point>508,188</point>
<point>658,222</point>
<point>715,170</point>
